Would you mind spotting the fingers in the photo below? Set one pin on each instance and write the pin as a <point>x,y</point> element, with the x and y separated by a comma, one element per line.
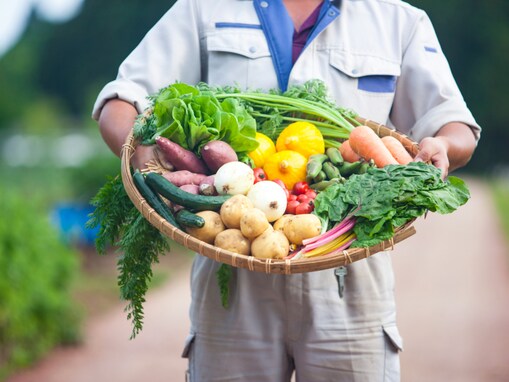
<point>433,151</point>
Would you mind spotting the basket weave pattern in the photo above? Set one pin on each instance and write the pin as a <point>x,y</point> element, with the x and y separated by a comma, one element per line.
<point>249,262</point>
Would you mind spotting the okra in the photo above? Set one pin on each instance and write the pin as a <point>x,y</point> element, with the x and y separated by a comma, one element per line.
<point>320,177</point>
<point>330,170</point>
<point>334,156</point>
<point>348,168</point>
<point>320,186</point>
<point>314,165</point>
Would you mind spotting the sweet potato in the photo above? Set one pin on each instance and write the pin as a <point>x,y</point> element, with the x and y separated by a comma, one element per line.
<point>181,158</point>
<point>181,177</point>
<point>191,188</point>
<point>217,153</point>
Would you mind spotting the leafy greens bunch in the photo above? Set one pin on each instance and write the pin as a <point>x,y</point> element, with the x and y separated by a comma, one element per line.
<point>386,198</point>
<point>191,117</point>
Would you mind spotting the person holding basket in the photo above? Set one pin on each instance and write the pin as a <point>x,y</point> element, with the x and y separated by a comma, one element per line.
<point>380,58</point>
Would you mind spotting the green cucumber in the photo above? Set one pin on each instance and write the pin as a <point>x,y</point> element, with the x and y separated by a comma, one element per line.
<point>193,202</point>
<point>153,199</point>
<point>189,219</point>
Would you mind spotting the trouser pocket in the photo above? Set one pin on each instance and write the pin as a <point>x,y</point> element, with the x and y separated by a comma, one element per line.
<point>393,345</point>
<point>186,353</point>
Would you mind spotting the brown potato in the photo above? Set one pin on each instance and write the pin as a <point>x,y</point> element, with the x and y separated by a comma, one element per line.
<point>233,209</point>
<point>279,224</point>
<point>213,226</point>
<point>232,240</point>
<point>253,223</point>
<point>302,227</point>
<point>270,245</point>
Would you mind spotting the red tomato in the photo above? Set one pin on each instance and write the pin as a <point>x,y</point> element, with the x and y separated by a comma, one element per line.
<point>311,194</point>
<point>303,198</point>
<point>304,208</point>
<point>259,174</point>
<point>291,206</point>
<point>300,188</point>
<point>292,197</point>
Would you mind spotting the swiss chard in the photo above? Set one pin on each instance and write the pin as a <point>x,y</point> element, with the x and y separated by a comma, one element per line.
<point>385,198</point>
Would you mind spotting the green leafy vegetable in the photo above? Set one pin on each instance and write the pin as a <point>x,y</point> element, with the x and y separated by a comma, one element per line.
<point>224,275</point>
<point>140,244</point>
<point>385,198</point>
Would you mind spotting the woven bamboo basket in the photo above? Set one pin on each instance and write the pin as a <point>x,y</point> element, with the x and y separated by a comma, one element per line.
<point>249,262</point>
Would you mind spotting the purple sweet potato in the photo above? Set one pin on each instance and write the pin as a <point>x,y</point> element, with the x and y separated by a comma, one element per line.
<point>181,158</point>
<point>181,177</point>
<point>191,188</point>
<point>217,153</point>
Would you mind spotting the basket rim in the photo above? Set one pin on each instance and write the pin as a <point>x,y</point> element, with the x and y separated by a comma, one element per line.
<point>275,266</point>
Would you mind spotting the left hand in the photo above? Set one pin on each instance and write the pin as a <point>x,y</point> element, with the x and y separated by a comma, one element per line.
<point>434,150</point>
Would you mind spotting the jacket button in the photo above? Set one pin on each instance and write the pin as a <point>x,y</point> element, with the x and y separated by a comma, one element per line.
<point>264,4</point>
<point>252,49</point>
<point>355,71</point>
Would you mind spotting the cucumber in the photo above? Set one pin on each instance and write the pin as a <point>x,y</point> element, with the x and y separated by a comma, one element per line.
<point>153,199</point>
<point>189,219</point>
<point>193,202</point>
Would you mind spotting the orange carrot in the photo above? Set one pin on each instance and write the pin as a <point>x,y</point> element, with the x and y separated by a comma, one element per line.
<point>368,145</point>
<point>347,153</point>
<point>397,150</point>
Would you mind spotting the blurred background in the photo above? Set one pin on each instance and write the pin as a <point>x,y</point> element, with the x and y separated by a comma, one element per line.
<point>55,56</point>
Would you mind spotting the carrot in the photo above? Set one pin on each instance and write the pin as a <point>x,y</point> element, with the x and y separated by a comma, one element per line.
<point>397,150</point>
<point>347,153</point>
<point>368,145</point>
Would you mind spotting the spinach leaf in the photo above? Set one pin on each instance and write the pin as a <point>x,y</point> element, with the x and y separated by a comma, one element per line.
<point>384,199</point>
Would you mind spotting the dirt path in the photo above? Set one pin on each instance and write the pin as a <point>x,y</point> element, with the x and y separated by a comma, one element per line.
<point>453,295</point>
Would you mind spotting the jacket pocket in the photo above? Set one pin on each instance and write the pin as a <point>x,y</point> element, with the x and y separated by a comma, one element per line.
<point>368,82</point>
<point>239,56</point>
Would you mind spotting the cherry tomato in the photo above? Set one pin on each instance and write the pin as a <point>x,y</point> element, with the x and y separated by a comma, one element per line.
<point>292,197</point>
<point>303,198</point>
<point>311,194</point>
<point>304,208</point>
<point>259,174</point>
<point>291,206</point>
<point>300,188</point>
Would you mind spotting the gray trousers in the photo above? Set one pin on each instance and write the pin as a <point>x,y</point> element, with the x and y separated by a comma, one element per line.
<point>278,325</point>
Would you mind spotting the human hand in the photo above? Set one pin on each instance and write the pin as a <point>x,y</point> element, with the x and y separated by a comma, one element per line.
<point>434,150</point>
<point>142,155</point>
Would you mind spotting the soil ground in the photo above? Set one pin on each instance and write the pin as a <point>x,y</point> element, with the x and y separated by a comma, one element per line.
<point>452,285</point>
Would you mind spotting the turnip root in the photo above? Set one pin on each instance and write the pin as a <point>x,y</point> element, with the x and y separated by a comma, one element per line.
<point>207,186</point>
<point>181,177</point>
<point>217,153</point>
<point>213,226</point>
<point>232,240</point>
<point>270,245</point>
<point>181,158</point>
<point>233,209</point>
<point>253,223</point>
<point>301,227</point>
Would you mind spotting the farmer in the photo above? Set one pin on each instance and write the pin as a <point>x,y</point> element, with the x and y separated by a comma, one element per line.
<point>379,58</point>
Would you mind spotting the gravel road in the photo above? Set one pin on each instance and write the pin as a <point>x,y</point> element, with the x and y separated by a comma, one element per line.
<point>452,284</point>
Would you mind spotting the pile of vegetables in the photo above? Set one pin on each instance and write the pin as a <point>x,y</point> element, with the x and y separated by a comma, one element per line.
<point>270,175</point>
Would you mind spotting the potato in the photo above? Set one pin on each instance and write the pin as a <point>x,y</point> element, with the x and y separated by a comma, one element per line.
<point>253,223</point>
<point>213,226</point>
<point>233,209</point>
<point>279,224</point>
<point>270,245</point>
<point>302,227</point>
<point>232,240</point>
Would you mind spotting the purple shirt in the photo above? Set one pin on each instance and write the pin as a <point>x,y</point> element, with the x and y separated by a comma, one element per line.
<point>300,37</point>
